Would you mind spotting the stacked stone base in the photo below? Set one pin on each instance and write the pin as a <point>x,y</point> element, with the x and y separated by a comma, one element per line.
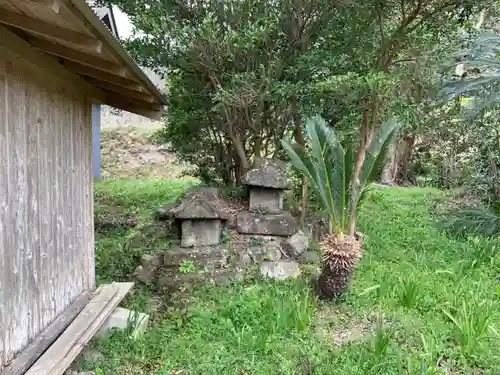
<point>180,269</point>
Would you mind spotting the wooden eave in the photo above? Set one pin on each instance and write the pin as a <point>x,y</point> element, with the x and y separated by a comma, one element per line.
<point>70,34</point>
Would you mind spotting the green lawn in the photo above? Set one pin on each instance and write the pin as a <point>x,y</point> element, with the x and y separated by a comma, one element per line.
<point>423,298</point>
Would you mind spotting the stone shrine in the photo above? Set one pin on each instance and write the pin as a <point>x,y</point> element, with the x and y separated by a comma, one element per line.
<point>200,221</point>
<point>267,181</point>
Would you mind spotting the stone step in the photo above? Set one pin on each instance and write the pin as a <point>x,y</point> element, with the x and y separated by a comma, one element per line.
<point>171,279</point>
<point>204,255</point>
<point>283,224</point>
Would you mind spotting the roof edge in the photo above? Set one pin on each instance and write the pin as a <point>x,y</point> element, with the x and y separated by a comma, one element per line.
<point>113,20</point>
<point>101,28</point>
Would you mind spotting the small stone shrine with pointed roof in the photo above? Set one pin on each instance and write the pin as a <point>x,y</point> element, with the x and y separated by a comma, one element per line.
<point>267,181</point>
<point>200,219</point>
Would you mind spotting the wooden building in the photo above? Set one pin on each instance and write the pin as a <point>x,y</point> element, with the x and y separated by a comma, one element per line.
<point>57,59</point>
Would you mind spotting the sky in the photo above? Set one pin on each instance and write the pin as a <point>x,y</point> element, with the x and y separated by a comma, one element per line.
<point>122,23</point>
<point>125,29</point>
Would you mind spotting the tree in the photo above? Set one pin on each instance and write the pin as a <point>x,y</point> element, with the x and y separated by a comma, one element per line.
<point>233,78</point>
<point>247,69</point>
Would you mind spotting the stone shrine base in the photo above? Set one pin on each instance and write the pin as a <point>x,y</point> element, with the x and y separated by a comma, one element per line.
<point>179,269</point>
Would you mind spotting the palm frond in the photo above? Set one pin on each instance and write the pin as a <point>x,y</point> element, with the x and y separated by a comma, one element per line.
<point>305,164</point>
<point>329,166</point>
<point>323,164</point>
<point>375,158</point>
<point>473,221</point>
<point>455,89</point>
<point>482,103</point>
<point>349,160</point>
<point>484,54</point>
<point>328,154</point>
<point>376,153</point>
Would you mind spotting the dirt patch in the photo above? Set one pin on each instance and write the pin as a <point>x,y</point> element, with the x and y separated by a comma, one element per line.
<point>357,331</point>
<point>128,152</point>
<point>340,328</point>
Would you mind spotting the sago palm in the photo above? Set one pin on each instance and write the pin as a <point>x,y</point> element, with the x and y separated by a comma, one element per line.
<point>329,166</point>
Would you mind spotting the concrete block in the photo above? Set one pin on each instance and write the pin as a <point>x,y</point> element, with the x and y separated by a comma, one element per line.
<point>122,319</point>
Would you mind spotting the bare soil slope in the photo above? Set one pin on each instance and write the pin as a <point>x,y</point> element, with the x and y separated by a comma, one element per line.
<point>128,152</point>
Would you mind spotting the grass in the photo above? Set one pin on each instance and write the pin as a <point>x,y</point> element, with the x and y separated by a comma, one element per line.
<point>427,303</point>
<point>119,250</point>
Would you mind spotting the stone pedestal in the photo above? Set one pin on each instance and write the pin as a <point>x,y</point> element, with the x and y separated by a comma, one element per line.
<point>282,224</point>
<point>267,181</point>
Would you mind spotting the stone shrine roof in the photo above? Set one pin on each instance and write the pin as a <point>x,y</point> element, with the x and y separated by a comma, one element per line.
<point>197,207</point>
<point>269,173</point>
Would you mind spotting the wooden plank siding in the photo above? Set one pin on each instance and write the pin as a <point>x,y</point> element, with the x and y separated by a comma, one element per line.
<point>46,213</point>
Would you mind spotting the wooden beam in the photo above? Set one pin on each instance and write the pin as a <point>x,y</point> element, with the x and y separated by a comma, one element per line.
<point>55,5</point>
<point>121,90</point>
<point>134,102</point>
<point>102,75</point>
<point>77,56</point>
<point>42,28</point>
<point>120,103</point>
<point>57,358</point>
<point>23,49</point>
<point>36,348</point>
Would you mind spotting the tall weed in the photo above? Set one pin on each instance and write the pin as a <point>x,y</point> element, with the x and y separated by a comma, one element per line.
<point>409,291</point>
<point>480,251</point>
<point>471,323</point>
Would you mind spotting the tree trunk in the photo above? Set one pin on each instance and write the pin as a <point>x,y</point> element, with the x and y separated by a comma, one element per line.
<point>240,150</point>
<point>391,168</point>
<point>257,147</point>
<point>494,168</point>
<point>396,170</point>
<point>229,164</point>
<point>405,153</point>
<point>365,135</point>
<point>257,127</point>
<point>299,139</point>
<point>237,171</point>
<point>483,16</point>
<point>296,32</point>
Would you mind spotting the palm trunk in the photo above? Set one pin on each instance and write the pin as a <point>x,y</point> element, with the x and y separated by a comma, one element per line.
<point>341,256</point>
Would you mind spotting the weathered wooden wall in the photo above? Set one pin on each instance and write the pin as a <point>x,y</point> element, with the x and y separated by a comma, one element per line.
<point>46,213</point>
